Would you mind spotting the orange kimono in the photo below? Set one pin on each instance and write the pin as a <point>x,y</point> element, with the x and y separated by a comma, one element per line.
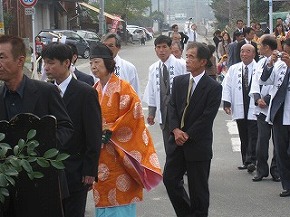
<point>128,163</point>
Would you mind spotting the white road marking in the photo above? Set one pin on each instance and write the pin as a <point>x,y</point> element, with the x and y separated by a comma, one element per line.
<point>233,131</point>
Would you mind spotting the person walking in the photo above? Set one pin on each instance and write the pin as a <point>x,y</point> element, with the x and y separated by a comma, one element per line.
<point>128,161</point>
<point>20,94</point>
<point>278,75</point>
<point>81,101</point>
<point>236,102</point>
<point>158,89</point>
<point>124,69</point>
<point>192,109</point>
<point>261,95</point>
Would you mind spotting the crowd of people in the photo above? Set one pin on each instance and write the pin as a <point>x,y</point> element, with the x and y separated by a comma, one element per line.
<point>102,125</point>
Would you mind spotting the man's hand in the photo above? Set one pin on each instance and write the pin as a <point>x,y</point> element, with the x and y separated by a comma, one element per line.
<point>274,58</point>
<point>228,110</point>
<point>261,103</point>
<point>180,136</point>
<point>150,120</point>
<point>286,58</point>
<point>88,180</point>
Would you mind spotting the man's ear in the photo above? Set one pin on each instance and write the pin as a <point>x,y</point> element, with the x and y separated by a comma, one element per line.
<point>21,61</point>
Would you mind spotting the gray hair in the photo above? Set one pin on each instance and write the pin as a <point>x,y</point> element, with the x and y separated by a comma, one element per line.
<point>115,36</point>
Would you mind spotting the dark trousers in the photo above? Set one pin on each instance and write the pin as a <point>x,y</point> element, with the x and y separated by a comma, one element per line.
<point>248,133</point>
<point>75,204</point>
<point>165,134</point>
<point>197,202</point>
<point>262,150</point>
<point>282,140</point>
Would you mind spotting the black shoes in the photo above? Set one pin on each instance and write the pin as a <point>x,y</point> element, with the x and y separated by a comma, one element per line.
<point>258,178</point>
<point>243,167</point>
<point>276,178</point>
<point>251,168</point>
<point>285,193</point>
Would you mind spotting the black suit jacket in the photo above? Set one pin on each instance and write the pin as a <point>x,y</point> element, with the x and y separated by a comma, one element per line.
<point>201,112</point>
<point>184,39</point>
<point>83,107</point>
<point>42,98</point>
<point>84,77</point>
<point>238,50</point>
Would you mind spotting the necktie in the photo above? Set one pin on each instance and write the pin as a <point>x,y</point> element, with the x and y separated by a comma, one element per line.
<point>189,92</point>
<point>194,36</point>
<point>279,98</point>
<point>165,75</point>
<point>246,78</point>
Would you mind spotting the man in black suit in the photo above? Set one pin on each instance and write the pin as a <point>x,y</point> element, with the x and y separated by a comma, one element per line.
<point>192,111</point>
<point>249,34</point>
<point>76,73</point>
<point>83,108</point>
<point>240,28</point>
<point>19,94</point>
<point>184,37</point>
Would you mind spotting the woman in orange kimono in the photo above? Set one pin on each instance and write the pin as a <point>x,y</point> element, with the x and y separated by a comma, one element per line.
<point>128,161</point>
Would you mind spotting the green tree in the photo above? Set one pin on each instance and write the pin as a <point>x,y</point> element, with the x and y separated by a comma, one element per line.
<point>23,157</point>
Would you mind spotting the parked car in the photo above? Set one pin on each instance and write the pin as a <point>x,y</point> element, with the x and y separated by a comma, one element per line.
<point>133,29</point>
<point>66,36</point>
<point>91,37</point>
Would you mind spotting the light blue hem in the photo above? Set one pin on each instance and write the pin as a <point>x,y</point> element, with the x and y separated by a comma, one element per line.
<point>117,211</point>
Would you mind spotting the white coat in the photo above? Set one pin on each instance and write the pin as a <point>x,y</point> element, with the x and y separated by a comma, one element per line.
<point>152,90</point>
<point>255,87</point>
<point>276,78</point>
<point>127,71</point>
<point>233,92</point>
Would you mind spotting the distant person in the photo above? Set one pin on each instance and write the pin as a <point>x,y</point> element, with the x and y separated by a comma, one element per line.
<point>232,57</point>
<point>223,46</point>
<point>239,27</point>
<point>191,32</point>
<point>124,69</point>
<point>211,69</point>
<point>259,30</point>
<point>217,37</point>
<point>81,101</point>
<point>178,36</point>
<point>249,34</point>
<point>176,50</point>
<point>38,49</point>
<point>75,72</point>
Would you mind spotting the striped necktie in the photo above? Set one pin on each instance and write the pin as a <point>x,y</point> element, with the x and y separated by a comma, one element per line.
<point>189,92</point>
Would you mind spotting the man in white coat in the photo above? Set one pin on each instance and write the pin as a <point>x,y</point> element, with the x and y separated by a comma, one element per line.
<point>158,89</point>
<point>124,69</point>
<point>278,75</point>
<point>261,94</point>
<point>235,96</point>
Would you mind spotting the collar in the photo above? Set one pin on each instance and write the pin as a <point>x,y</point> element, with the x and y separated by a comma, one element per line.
<point>247,42</point>
<point>250,66</point>
<point>196,78</point>
<point>168,61</point>
<point>19,90</point>
<point>63,85</point>
<point>117,58</point>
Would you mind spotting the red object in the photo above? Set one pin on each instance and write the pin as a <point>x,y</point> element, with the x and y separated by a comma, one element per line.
<point>28,3</point>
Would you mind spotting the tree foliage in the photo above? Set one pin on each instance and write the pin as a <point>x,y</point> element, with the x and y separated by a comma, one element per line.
<point>228,11</point>
<point>23,157</point>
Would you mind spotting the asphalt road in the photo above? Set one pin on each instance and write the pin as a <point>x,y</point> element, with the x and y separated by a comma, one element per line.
<point>232,191</point>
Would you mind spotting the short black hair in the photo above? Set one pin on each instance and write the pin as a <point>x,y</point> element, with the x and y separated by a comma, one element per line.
<point>173,26</point>
<point>247,30</point>
<point>163,39</point>
<point>58,51</point>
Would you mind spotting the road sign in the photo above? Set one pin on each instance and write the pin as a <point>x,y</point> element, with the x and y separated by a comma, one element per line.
<point>28,3</point>
<point>29,11</point>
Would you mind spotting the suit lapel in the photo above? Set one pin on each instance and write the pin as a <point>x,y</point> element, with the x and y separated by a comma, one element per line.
<point>70,91</point>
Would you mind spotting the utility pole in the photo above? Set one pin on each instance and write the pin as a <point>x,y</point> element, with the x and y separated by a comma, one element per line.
<point>101,19</point>
<point>2,31</point>
<point>248,13</point>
